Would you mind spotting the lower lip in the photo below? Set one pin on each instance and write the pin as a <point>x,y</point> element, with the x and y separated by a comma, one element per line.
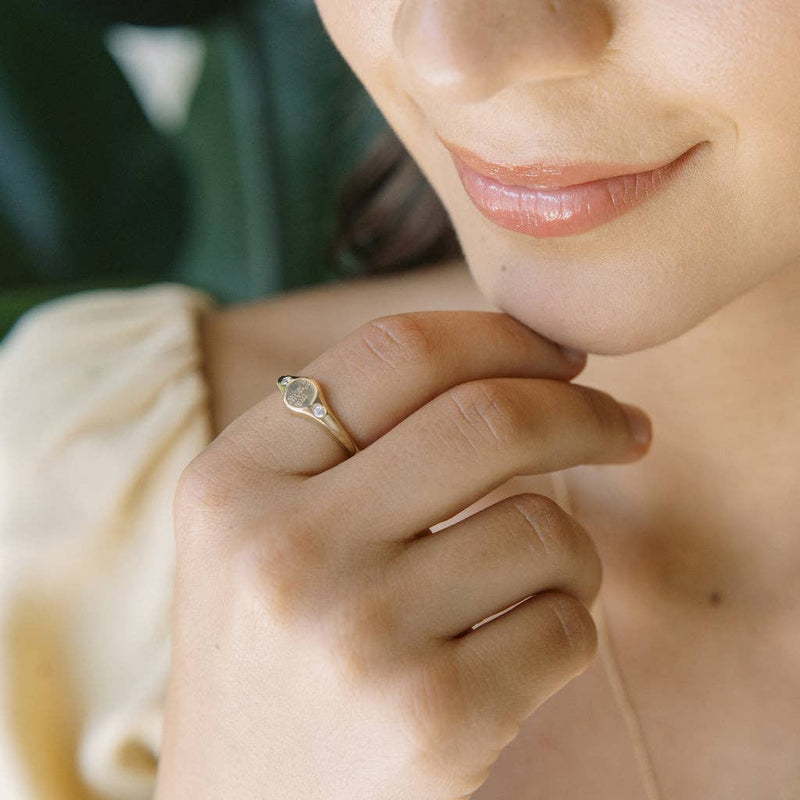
<point>544,213</point>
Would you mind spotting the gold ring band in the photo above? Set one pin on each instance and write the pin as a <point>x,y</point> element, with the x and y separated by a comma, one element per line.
<point>304,395</point>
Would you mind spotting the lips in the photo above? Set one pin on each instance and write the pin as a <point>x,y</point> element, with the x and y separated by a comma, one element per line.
<point>545,200</point>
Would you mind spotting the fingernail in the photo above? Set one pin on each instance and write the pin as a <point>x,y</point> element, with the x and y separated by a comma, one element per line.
<point>639,422</point>
<point>573,355</point>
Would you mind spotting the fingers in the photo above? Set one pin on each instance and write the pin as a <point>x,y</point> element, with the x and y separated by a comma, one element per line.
<point>383,371</point>
<point>512,664</point>
<point>465,443</point>
<point>481,687</point>
<point>451,580</point>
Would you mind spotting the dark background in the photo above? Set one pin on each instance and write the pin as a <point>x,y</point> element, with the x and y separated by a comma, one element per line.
<point>238,201</point>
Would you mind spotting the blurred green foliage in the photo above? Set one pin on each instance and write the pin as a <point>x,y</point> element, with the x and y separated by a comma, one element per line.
<point>239,202</point>
<point>141,12</point>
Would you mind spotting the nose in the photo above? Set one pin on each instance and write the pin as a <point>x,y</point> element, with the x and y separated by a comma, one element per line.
<point>468,50</point>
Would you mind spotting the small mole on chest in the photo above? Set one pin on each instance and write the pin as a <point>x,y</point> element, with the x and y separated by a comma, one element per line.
<point>714,599</point>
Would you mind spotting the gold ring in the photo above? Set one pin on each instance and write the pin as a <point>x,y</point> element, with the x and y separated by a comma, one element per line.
<point>304,396</point>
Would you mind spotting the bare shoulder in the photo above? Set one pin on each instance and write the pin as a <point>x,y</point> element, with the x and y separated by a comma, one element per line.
<point>304,322</point>
<point>244,344</point>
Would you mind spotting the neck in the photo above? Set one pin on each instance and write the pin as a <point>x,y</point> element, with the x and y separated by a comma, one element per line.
<point>712,513</point>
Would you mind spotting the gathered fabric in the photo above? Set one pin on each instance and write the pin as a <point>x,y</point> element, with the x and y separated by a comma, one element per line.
<point>103,403</point>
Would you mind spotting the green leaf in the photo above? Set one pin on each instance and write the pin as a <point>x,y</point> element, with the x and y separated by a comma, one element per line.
<point>141,12</point>
<point>278,121</point>
<point>87,188</point>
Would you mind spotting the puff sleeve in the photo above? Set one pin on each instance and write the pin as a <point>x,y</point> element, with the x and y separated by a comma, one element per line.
<point>103,403</point>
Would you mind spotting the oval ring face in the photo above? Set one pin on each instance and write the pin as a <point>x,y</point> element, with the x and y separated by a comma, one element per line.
<point>300,393</point>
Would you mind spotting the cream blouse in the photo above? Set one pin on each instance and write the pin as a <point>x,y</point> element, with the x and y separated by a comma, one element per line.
<point>102,405</point>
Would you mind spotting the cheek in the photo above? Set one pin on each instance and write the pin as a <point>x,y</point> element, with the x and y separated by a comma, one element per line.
<point>739,55</point>
<point>740,61</point>
<point>362,32</point>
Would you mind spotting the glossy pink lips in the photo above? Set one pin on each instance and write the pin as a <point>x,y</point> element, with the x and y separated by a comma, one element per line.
<point>544,201</point>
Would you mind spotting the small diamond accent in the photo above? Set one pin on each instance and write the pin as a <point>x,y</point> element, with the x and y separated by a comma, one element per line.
<point>286,380</point>
<point>318,410</point>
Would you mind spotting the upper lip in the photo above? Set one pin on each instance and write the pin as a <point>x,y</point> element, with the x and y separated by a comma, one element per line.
<point>552,175</point>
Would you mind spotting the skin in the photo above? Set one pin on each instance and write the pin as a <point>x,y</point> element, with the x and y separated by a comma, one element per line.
<point>689,307</point>
<point>695,294</point>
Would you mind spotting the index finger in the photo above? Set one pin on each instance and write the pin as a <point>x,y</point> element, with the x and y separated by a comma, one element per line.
<point>382,372</point>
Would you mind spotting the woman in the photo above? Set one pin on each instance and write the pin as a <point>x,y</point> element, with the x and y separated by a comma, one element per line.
<point>324,643</point>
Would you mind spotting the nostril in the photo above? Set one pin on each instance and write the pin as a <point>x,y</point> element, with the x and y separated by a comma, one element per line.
<point>470,49</point>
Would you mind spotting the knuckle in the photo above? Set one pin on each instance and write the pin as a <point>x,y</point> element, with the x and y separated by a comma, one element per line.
<point>551,532</point>
<point>545,523</point>
<point>554,528</point>
<point>399,341</point>
<point>485,414</point>
<point>219,490</point>
<point>202,492</point>
<point>197,485</point>
<point>574,626</point>
<point>218,476</point>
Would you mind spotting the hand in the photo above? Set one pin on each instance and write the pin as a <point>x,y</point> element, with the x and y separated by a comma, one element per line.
<point>325,643</point>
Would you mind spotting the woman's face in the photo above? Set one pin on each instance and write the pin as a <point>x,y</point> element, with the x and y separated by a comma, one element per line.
<point>615,82</point>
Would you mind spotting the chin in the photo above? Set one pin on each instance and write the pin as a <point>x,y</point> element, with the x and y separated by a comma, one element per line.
<point>600,324</point>
<point>612,304</point>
